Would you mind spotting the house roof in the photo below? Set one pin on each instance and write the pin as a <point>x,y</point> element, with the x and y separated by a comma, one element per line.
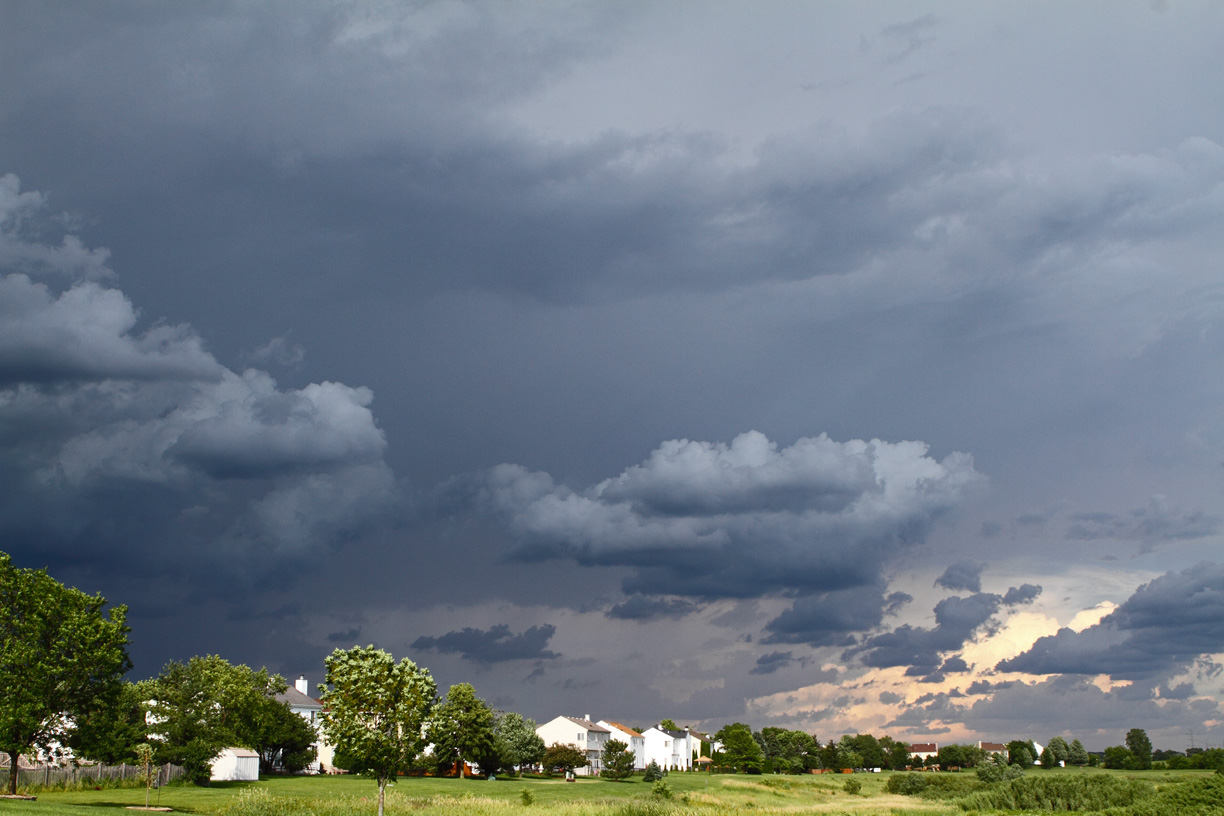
<point>994,747</point>
<point>588,725</point>
<point>297,699</point>
<point>675,734</point>
<point>624,728</point>
<point>924,747</point>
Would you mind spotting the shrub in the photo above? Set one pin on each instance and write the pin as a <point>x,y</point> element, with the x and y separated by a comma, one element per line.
<point>653,772</point>
<point>661,789</point>
<point>995,769</point>
<point>909,784</point>
<point>527,796</point>
<point>853,786</point>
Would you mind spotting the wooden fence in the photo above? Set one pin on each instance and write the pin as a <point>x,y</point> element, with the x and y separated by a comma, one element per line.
<point>48,776</point>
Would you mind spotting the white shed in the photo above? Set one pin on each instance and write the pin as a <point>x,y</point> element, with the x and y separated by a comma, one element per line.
<point>236,765</point>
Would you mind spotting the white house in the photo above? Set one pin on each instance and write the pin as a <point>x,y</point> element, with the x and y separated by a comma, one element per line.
<point>635,741</point>
<point>671,749</point>
<point>582,734</point>
<point>924,750</point>
<point>301,703</point>
<point>236,765</point>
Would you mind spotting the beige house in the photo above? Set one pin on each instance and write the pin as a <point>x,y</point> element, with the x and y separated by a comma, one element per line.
<point>586,736</point>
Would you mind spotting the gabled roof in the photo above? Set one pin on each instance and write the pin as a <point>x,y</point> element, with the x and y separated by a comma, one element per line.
<point>994,747</point>
<point>624,728</point>
<point>588,725</point>
<point>924,748</point>
<point>297,699</point>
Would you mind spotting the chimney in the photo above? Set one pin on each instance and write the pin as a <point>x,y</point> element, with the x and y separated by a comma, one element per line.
<point>586,717</point>
<point>302,684</point>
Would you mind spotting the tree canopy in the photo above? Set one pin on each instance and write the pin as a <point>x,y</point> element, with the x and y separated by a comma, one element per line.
<point>617,760</point>
<point>518,742</point>
<point>62,657</point>
<point>740,749</point>
<point>461,728</point>
<point>562,757</point>
<point>199,707</point>
<point>1140,747</point>
<point>375,711</point>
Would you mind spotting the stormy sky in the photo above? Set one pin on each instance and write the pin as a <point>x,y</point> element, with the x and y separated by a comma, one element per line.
<point>842,366</point>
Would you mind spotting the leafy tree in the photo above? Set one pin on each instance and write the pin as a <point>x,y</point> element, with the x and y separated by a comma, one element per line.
<point>1076,755</point>
<point>740,749</point>
<point>61,658</point>
<point>279,736</point>
<point>518,742</point>
<point>200,707</point>
<point>1021,752</point>
<point>1059,748</point>
<point>958,756</point>
<point>1118,757</point>
<point>896,754</point>
<point>1140,747</point>
<point>1048,759</point>
<point>994,768</point>
<point>668,725</point>
<point>375,711</point>
<point>564,758</point>
<point>144,758</point>
<point>790,751</point>
<point>111,734</point>
<point>617,760</point>
<point>461,728</point>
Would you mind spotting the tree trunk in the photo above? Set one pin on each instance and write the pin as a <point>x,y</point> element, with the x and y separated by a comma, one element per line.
<point>12,786</point>
<point>382,793</point>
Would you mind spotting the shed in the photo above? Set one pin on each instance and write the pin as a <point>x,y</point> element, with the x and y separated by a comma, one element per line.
<point>236,765</point>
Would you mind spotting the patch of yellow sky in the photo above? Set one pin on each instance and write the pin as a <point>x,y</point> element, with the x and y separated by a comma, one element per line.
<point>868,713</point>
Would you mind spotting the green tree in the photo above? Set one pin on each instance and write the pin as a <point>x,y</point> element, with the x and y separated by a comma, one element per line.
<point>896,753</point>
<point>1048,759</point>
<point>62,658</point>
<point>668,725</point>
<point>461,729</point>
<point>565,758</point>
<point>1118,757</point>
<point>280,736</point>
<point>1076,755</point>
<point>199,707</point>
<point>518,741</point>
<point>1141,747</point>
<point>617,760</point>
<point>1059,748</point>
<point>1021,752</point>
<point>740,749</point>
<point>111,734</point>
<point>375,711</point>
<point>653,772</point>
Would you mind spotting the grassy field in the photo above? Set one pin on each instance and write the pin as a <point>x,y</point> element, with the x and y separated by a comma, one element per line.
<point>697,794</point>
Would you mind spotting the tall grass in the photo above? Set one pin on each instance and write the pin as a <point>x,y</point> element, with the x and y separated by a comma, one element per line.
<point>1062,792</point>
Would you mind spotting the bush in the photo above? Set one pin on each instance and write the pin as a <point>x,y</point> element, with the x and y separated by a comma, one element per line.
<point>661,789</point>
<point>995,769</point>
<point>527,796</point>
<point>908,784</point>
<point>653,772</point>
<point>853,786</point>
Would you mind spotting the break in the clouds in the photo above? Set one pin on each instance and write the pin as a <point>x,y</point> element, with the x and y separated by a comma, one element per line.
<point>495,645</point>
<point>1168,624</point>
<point>926,652</point>
<point>103,419</point>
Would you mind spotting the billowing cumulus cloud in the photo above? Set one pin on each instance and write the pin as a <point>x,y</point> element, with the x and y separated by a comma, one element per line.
<point>714,520</point>
<point>495,645</point>
<point>1157,633</point>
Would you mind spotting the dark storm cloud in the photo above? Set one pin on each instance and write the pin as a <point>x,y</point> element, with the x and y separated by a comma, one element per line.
<point>1154,635</point>
<point>495,645</point>
<point>957,621</point>
<point>830,618</point>
<point>644,608</point>
<point>770,663</point>
<point>125,438</point>
<point>965,575</point>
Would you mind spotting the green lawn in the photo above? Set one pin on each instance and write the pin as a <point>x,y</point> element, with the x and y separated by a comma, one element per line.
<point>692,793</point>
